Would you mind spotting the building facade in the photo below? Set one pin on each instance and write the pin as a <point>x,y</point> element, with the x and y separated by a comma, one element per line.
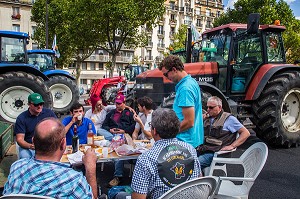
<point>15,15</point>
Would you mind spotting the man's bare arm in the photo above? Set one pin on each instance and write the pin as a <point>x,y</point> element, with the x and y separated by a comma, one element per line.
<point>22,143</point>
<point>188,118</point>
<point>135,195</point>
<point>244,134</point>
<point>89,161</point>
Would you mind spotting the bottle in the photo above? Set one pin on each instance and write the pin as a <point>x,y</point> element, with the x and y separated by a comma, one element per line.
<point>90,136</point>
<point>75,140</point>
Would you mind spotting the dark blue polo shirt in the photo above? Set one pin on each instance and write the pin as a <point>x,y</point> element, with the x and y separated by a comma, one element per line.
<point>26,122</point>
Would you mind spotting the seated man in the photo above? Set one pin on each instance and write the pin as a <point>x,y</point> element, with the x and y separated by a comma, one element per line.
<point>26,122</point>
<point>220,129</point>
<point>168,163</point>
<point>76,117</point>
<point>117,121</point>
<point>45,175</point>
<point>143,119</point>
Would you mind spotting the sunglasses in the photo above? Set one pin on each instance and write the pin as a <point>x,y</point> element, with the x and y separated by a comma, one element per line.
<point>36,105</point>
<point>118,103</point>
<point>212,107</point>
<point>166,73</point>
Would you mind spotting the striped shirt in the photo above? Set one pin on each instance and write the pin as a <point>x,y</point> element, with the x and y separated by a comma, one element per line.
<point>54,179</point>
<point>154,173</point>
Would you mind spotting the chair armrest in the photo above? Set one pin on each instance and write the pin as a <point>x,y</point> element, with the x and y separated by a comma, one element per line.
<point>237,179</point>
<point>226,160</point>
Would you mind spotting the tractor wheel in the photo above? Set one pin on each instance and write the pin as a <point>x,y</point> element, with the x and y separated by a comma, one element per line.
<point>64,92</point>
<point>14,90</point>
<point>109,94</point>
<point>277,111</point>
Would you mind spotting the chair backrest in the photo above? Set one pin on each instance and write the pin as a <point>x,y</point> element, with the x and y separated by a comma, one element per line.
<point>199,188</point>
<point>28,196</point>
<point>254,159</point>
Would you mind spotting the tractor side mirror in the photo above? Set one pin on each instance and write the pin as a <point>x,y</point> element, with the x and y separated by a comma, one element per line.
<point>253,23</point>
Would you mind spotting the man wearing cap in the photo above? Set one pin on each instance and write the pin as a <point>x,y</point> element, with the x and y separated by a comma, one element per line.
<point>26,122</point>
<point>118,121</point>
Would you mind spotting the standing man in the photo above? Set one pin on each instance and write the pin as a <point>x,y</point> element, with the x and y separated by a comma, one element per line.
<point>77,117</point>
<point>143,119</point>
<point>220,130</point>
<point>44,174</point>
<point>187,104</point>
<point>26,122</point>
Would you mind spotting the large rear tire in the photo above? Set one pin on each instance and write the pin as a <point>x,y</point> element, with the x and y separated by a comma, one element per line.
<point>14,90</point>
<point>277,110</point>
<point>64,92</point>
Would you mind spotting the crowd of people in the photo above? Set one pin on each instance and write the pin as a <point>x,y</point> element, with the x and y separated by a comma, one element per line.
<point>185,141</point>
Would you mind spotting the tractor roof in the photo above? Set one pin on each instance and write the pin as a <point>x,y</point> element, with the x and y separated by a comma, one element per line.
<point>41,51</point>
<point>235,26</point>
<point>15,34</point>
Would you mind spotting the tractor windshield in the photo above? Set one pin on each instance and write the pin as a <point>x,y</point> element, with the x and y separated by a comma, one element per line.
<point>13,50</point>
<point>43,62</point>
<point>132,71</point>
<point>215,48</point>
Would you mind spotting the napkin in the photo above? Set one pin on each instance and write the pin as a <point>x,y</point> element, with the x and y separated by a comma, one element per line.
<point>75,157</point>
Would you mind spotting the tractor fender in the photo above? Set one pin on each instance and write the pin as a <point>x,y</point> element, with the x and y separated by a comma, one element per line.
<point>50,73</point>
<point>27,68</point>
<point>214,91</point>
<point>262,77</point>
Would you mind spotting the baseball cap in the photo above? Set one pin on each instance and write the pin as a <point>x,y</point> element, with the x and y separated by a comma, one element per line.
<point>120,99</point>
<point>35,98</point>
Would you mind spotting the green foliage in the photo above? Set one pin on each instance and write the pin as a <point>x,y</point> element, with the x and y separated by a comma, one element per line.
<point>82,26</point>
<point>179,38</point>
<point>269,10</point>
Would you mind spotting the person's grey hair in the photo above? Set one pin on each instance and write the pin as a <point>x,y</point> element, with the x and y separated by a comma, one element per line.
<point>216,99</point>
<point>165,122</point>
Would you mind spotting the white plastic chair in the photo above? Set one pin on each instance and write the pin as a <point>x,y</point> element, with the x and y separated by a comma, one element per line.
<point>252,160</point>
<point>28,196</point>
<point>199,188</point>
<point>209,172</point>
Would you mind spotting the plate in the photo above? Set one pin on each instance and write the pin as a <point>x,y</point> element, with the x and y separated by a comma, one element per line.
<point>97,138</point>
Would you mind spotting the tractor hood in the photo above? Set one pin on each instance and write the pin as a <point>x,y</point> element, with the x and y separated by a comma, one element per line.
<point>198,68</point>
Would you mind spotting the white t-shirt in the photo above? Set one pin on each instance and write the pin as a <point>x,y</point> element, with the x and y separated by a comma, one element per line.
<point>146,121</point>
<point>99,118</point>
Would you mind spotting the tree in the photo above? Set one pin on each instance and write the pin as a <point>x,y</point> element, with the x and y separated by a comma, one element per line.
<point>270,10</point>
<point>179,38</point>
<point>82,26</point>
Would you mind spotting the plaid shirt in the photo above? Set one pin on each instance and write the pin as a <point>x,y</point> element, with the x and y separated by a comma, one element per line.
<point>54,179</point>
<point>146,179</point>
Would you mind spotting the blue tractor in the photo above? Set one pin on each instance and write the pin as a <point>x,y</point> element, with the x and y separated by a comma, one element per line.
<point>61,84</point>
<point>17,78</point>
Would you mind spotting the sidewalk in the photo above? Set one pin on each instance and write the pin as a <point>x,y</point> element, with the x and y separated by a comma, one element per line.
<point>6,162</point>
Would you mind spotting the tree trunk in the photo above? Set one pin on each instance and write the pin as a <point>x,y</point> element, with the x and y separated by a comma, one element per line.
<point>78,71</point>
<point>113,62</point>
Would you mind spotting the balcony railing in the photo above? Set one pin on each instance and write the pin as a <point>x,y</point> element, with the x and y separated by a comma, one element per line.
<point>148,58</point>
<point>173,22</point>
<point>30,2</point>
<point>160,45</point>
<point>181,9</point>
<point>174,8</point>
<point>150,44</point>
<point>160,32</point>
<point>187,22</point>
<point>188,10</point>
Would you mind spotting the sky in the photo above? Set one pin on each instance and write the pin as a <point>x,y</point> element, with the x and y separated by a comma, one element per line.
<point>294,5</point>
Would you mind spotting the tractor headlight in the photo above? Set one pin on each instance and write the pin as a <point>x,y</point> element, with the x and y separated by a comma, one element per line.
<point>148,86</point>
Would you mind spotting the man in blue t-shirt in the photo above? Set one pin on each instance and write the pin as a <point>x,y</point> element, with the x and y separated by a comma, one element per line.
<point>187,104</point>
<point>26,122</point>
<point>77,117</point>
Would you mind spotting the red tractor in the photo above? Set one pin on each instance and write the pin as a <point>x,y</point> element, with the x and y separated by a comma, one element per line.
<point>106,89</point>
<point>245,65</point>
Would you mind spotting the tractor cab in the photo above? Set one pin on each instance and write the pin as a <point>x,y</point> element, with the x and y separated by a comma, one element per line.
<point>42,59</point>
<point>240,53</point>
<point>13,45</point>
<point>131,71</point>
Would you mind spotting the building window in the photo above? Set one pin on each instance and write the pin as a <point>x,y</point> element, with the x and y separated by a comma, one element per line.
<point>197,11</point>
<point>207,12</point>
<point>16,11</point>
<point>101,66</point>
<point>198,23</point>
<point>33,29</point>
<point>172,17</point>
<point>172,5</point>
<point>83,81</point>
<point>16,27</point>
<point>92,66</point>
<point>161,29</point>
<point>218,14</point>
<point>83,66</point>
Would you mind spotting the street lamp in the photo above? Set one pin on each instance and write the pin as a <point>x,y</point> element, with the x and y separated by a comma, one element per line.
<point>47,34</point>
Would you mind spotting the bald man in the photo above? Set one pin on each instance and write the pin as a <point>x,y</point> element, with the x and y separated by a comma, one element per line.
<point>44,174</point>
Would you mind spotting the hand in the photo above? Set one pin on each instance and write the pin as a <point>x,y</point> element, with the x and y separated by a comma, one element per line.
<point>89,159</point>
<point>137,118</point>
<point>120,131</point>
<point>227,148</point>
<point>31,146</point>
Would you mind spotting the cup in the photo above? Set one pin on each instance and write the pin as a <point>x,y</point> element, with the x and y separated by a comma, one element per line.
<point>105,152</point>
<point>79,117</point>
